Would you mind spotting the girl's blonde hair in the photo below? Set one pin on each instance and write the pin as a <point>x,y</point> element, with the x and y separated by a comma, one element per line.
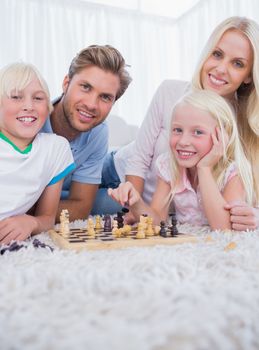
<point>247,94</point>
<point>16,76</point>
<point>223,113</point>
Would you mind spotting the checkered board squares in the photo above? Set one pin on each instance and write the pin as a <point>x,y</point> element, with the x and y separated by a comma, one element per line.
<point>79,240</point>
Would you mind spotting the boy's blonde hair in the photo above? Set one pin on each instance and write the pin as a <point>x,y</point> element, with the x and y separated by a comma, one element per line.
<point>223,113</point>
<point>247,94</point>
<point>16,76</point>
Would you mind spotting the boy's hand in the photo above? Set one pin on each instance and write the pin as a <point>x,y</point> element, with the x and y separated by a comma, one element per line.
<point>125,194</point>
<point>216,152</point>
<point>17,228</point>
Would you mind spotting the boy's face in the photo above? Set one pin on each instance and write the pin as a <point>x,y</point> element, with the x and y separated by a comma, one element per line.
<point>23,114</point>
<point>88,97</point>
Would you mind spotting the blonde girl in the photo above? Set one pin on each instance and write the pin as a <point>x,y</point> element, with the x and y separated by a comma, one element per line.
<point>205,168</point>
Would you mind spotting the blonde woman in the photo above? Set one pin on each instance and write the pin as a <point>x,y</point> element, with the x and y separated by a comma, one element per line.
<point>229,66</point>
<point>205,169</point>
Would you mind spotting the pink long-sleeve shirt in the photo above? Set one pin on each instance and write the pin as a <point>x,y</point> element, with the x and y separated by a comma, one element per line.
<point>139,157</point>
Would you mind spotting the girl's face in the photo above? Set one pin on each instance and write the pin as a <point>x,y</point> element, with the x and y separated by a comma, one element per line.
<point>229,65</point>
<point>191,134</point>
<point>23,114</point>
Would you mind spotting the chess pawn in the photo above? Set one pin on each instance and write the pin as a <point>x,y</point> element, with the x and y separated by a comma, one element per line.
<point>126,230</point>
<point>117,232</point>
<point>98,225</point>
<point>143,220</point>
<point>163,232</point>
<point>173,228</point>
<point>90,228</point>
<point>140,233</point>
<point>149,229</point>
<point>114,226</point>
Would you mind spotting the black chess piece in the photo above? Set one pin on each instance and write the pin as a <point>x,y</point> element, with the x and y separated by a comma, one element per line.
<point>120,219</point>
<point>162,231</point>
<point>125,210</point>
<point>107,226</point>
<point>173,227</point>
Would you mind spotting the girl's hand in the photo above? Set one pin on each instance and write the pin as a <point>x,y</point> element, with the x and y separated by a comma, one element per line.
<point>125,194</point>
<point>216,152</point>
<point>17,228</point>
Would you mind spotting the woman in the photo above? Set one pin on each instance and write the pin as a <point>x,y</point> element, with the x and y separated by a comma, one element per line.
<point>229,66</point>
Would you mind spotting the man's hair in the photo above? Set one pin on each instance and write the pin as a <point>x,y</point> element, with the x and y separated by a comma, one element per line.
<point>105,57</point>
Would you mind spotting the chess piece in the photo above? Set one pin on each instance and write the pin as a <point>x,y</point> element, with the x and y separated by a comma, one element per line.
<point>143,220</point>
<point>98,225</point>
<point>140,233</point>
<point>126,230</point>
<point>149,228</point>
<point>64,223</point>
<point>114,226</point>
<point>163,232</point>
<point>120,219</point>
<point>173,227</point>
<point>107,227</point>
<point>90,228</point>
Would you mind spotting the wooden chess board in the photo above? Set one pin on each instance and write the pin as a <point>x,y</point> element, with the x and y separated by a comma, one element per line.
<point>79,240</point>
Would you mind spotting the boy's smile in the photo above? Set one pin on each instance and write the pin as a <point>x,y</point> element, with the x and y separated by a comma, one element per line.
<point>23,113</point>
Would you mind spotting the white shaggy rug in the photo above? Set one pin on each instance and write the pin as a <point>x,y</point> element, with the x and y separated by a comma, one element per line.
<point>184,297</point>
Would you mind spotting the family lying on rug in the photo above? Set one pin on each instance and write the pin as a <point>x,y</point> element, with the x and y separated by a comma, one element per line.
<point>198,145</point>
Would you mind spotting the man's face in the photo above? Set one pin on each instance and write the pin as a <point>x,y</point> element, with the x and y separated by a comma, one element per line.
<point>88,97</point>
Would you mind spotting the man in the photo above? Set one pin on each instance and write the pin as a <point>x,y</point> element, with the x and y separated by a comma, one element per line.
<point>96,79</point>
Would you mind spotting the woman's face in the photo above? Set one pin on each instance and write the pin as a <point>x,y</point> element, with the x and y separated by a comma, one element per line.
<point>229,65</point>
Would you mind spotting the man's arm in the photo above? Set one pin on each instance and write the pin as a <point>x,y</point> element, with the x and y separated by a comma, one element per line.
<point>137,182</point>
<point>80,201</point>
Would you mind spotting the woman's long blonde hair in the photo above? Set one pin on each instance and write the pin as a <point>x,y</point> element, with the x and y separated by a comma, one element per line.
<point>223,113</point>
<point>247,94</point>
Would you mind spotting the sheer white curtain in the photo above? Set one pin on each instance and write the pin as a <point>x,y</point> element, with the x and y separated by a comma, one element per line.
<point>195,27</point>
<point>49,33</point>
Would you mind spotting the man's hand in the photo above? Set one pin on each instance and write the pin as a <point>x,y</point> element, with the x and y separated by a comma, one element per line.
<point>125,194</point>
<point>242,216</point>
<point>16,228</point>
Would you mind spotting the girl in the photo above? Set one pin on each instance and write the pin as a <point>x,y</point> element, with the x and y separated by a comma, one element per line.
<point>229,66</point>
<point>206,168</point>
<point>32,165</point>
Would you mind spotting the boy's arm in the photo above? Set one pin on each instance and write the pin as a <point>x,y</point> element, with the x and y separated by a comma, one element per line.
<point>80,201</point>
<point>21,227</point>
<point>214,202</point>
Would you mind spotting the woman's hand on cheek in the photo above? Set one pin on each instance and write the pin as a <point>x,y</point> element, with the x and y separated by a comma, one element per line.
<point>216,151</point>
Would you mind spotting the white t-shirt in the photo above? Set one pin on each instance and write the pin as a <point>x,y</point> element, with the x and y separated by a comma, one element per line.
<point>25,174</point>
<point>139,157</point>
